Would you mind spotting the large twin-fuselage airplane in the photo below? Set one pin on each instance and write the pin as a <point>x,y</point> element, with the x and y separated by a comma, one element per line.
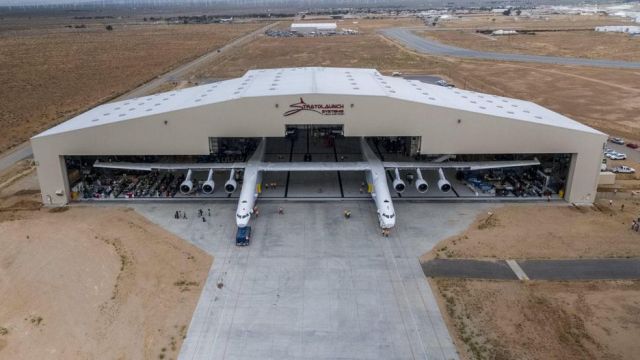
<point>374,168</point>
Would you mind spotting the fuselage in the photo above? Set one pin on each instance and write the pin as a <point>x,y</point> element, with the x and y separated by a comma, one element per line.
<point>250,186</point>
<point>377,181</point>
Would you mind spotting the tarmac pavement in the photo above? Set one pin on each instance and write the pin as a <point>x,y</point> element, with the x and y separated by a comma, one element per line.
<point>314,285</point>
<point>555,270</point>
<point>428,46</point>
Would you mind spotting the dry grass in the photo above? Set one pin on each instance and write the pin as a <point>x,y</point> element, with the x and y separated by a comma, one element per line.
<point>525,231</point>
<point>492,21</point>
<point>606,99</point>
<point>367,51</point>
<point>542,320</point>
<point>612,46</point>
<point>49,73</point>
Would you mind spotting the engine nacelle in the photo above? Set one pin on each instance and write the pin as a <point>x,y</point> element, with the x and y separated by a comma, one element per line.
<point>421,185</point>
<point>398,184</point>
<point>231,185</point>
<point>187,184</point>
<point>209,185</point>
<point>443,184</point>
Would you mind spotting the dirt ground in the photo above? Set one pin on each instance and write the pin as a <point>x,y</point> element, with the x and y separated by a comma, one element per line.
<point>91,282</point>
<point>525,231</point>
<point>48,73</point>
<point>542,320</point>
<point>606,99</point>
<point>613,46</point>
<point>368,50</point>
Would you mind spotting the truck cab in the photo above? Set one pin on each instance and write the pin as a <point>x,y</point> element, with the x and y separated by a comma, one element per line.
<point>243,236</point>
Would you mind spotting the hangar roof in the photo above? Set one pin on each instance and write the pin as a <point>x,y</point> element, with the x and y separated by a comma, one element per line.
<point>318,80</point>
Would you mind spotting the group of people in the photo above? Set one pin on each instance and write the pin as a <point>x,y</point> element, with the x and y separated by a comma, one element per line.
<point>181,214</point>
<point>635,225</point>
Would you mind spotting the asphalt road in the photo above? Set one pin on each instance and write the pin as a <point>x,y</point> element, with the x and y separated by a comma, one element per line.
<point>24,150</point>
<point>432,47</point>
<point>21,152</point>
<point>578,269</point>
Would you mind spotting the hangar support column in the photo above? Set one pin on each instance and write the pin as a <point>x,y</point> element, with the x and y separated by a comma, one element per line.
<point>53,178</point>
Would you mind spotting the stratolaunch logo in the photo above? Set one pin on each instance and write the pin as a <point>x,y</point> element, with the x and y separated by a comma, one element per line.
<point>322,109</point>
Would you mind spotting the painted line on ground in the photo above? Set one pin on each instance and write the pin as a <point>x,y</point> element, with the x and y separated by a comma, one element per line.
<point>517,270</point>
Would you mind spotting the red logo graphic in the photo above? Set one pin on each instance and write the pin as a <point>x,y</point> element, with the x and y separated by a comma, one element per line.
<point>322,109</point>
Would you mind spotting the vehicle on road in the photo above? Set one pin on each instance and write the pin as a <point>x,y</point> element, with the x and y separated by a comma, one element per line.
<point>617,140</point>
<point>632,145</point>
<point>623,170</point>
<point>444,83</point>
<point>243,236</point>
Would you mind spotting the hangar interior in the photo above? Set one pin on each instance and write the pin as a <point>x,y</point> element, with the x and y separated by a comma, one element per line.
<point>318,143</point>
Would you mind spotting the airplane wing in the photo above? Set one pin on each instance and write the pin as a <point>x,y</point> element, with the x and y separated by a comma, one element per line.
<point>168,166</point>
<point>461,165</point>
<point>315,166</point>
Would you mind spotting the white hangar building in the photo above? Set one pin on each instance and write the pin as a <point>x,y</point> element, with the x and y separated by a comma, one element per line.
<point>320,107</point>
<point>316,28</point>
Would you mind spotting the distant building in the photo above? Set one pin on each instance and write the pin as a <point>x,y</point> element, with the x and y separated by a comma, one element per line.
<point>632,30</point>
<point>314,28</point>
<point>504,32</point>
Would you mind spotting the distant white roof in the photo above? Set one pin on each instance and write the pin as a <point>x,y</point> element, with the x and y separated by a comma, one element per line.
<point>317,80</point>
<point>319,26</point>
<point>619,28</point>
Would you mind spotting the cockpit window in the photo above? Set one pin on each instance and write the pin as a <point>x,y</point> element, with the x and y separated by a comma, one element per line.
<point>242,216</point>
<point>389,216</point>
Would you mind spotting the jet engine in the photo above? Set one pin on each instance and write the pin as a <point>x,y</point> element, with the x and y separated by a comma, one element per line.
<point>209,185</point>
<point>398,184</point>
<point>443,184</point>
<point>421,185</point>
<point>231,185</point>
<point>187,184</point>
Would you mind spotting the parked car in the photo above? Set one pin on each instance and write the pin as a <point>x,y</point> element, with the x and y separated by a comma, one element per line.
<point>632,145</point>
<point>616,140</point>
<point>614,155</point>
<point>623,170</point>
